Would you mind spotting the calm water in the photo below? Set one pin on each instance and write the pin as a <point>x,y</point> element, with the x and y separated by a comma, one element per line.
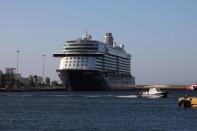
<point>59,111</point>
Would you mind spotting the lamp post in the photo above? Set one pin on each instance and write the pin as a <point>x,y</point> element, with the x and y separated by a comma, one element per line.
<point>17,75</point>
<point>43,67</point>
<point>17,61</point>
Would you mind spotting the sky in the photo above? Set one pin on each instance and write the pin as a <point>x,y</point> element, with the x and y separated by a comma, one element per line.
<point>161,35</point>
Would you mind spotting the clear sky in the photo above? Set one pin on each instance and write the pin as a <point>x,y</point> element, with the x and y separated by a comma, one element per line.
<point>161,35</point>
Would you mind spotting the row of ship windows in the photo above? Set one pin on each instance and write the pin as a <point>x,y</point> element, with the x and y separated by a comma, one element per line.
<point>110,56</point>
<point>124,71</point>
<point>116,71</point>
<point>124,61</point>
<point>76,61</point>
<point>80,48</point>
<point>117,68</point>
<point>76,58</point>
<point>80,44</point>
<point>117,62</point>
<point>79,51</point>
<point>113,65</point>
<point>128,62</point>
<point>113,59</point>
<point>75,65</point>
<point>114,68</point>
<point>108,61</point>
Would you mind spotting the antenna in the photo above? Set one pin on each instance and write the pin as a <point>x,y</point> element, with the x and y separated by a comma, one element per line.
<point>86,33</point>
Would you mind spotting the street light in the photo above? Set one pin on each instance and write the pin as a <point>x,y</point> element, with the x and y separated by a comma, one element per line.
<point>17,61</point>
<point>17,76</point>
<point>43,67</point>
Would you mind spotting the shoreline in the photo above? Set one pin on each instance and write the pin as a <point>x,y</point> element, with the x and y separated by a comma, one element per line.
<point>31,89</point>
<point>137,87</point>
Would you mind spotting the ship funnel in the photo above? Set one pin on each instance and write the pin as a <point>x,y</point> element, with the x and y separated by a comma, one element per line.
<point>108,39</point>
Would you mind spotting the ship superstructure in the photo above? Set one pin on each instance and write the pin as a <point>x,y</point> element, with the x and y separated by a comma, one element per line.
<point>87,64</point>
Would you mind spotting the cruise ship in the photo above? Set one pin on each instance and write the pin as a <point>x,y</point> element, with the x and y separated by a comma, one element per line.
<point>89,65</point>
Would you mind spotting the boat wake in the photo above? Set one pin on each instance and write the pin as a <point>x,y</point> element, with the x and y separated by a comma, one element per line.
<point>96,96</point>
<point>115,96</point>
<point>71,95</point>
<point>128,96</point>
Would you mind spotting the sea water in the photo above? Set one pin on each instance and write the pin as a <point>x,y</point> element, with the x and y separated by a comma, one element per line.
<point>94,111</point>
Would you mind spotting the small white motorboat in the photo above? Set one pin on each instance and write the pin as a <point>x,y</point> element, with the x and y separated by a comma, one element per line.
<point>154,93</point>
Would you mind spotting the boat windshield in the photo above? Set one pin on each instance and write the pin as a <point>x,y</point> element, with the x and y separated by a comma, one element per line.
<point>154,90</point>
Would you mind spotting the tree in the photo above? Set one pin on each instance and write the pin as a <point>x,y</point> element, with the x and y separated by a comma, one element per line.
<point>36,80</point>
<point>54,83</point>
<point>40,80</point>
<point>47,80</point>
<point>31,80</point>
